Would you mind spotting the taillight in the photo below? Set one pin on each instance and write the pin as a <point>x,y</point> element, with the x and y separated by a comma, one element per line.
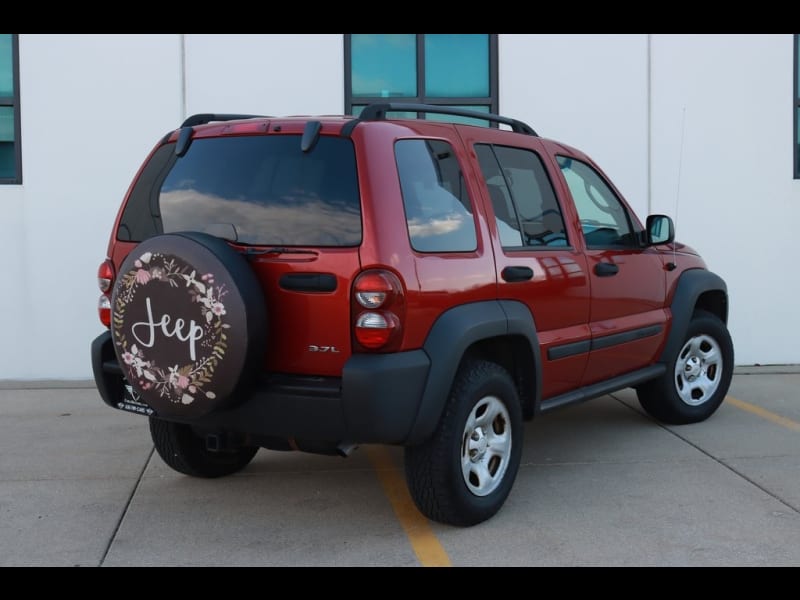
<point>105,281</point>
<point>104,309</point>
<point>378,310</point>
<point>375,329</point>
<point>105,276</point>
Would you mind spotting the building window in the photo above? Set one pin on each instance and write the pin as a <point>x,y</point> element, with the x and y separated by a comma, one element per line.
<point>456,70</point>
<point>10,155</point>
<point>797,105</point>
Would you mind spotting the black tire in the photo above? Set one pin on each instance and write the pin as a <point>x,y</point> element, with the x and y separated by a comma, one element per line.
<point>663,398</point>
<point>184,451</point>
<point>434,474</point>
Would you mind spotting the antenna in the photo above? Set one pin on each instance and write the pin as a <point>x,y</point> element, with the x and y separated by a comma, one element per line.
<point>674,264</point>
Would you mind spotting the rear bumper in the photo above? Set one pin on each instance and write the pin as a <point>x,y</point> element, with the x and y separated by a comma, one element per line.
<point>377,400</point>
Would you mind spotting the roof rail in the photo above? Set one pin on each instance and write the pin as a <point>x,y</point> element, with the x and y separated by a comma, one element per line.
<point>377,112</point>
<point>203,118</point>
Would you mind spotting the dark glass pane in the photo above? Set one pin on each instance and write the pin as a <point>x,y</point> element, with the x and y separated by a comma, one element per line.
<point>8,160</point>
<point>140,219</point>
<point>458,119</point>
<point>438,209</point>
<point>457,65</point>
<point>6,123</point>
<point>8,168</point>
<point>393,114</point>
<point>797,142</point>
<point>6,65</point>
<point>384,65</point>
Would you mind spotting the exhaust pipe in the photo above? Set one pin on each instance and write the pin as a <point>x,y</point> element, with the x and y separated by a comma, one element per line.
<point>343,449</point>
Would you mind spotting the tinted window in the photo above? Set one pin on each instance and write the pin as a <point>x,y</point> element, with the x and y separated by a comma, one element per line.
<point>262,189</point>
<point>524,202</point>
<point>438,210</point>
<point>604,220</point>
<point>383,65</point>
<point>456,65</point>
<point>10,153</point>
<point>456,70</point>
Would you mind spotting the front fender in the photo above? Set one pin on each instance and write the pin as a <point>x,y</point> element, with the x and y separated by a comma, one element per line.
<point>691,285</point>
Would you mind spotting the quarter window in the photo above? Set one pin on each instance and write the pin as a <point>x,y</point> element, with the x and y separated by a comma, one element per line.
<point>455,70</point>
<point>438,211</point>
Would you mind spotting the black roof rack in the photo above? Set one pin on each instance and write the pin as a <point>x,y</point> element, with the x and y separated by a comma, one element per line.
<point>377,112</point>
<point>203,118</point>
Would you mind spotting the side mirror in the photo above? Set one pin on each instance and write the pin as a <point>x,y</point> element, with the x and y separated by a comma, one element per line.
<point>660,230</point>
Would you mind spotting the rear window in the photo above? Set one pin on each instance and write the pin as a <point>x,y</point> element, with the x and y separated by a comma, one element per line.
<point>260,190</point>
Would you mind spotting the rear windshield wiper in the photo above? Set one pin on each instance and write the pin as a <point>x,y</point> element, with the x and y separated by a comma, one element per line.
<point>277,250</point>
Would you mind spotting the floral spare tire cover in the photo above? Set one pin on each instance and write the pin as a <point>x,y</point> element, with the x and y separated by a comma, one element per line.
<point>188,323</point>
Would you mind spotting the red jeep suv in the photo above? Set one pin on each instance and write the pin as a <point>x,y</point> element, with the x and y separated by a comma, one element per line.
<point>314,283</point>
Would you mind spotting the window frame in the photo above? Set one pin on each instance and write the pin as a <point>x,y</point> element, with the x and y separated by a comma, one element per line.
<point>13,102</point>
<point>796,108</point>
<point>468,101</point>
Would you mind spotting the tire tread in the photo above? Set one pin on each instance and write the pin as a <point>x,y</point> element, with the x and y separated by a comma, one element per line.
<point>181,450</point>
<point>429,469</point>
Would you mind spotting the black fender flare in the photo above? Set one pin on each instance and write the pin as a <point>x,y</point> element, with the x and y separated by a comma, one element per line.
<point>691,285</point>
<point>450,338</point>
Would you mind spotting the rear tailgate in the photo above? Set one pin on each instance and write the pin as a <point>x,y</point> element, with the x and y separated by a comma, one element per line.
<point>308,309</point>
<point>294,212</point>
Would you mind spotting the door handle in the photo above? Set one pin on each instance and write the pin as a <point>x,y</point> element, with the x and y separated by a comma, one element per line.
<point>605,269</point>
<point>517,274</point>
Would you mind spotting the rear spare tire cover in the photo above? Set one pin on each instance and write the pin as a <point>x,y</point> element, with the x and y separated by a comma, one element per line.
<point>188,323</point>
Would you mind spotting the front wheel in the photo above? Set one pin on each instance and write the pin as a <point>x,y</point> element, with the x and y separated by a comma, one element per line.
<point>186,452</point>
<point>697,377</point>
<point>463,474</point>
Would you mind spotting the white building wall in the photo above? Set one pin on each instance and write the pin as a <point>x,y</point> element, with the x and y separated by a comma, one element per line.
<point>286,74</point>
<point>588,91</point>
<point>94,105</point>
<point>739,205</point>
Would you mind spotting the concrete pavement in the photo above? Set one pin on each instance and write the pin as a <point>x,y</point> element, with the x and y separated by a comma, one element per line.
<point>600,484</point>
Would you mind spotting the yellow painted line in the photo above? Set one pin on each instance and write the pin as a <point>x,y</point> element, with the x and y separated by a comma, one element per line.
<point>427,547</point>
<point>764,413</point>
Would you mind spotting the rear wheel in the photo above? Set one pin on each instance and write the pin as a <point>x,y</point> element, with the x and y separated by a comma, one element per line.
<point>463,474</point>
<point>697,377</point>
<point>186,452</point>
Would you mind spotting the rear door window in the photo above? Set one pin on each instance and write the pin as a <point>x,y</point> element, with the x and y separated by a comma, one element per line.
<point>263,190</point>
<point>526,210</point>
